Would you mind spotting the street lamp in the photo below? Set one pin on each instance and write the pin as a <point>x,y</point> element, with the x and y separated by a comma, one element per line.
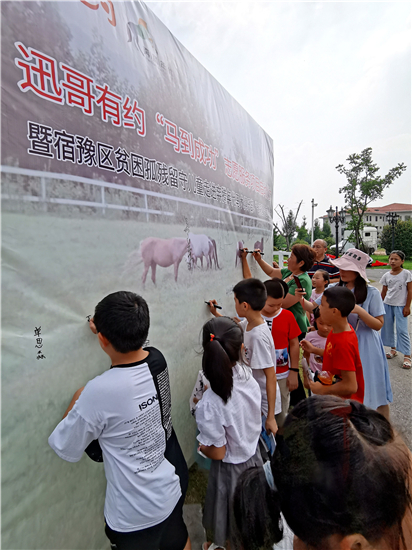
<point>337,217</point>
<point>392,219</point>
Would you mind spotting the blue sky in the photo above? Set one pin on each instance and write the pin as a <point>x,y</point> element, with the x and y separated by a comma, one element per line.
<point>323,79</point>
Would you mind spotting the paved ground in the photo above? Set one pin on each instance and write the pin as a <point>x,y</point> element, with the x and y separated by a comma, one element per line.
<point>401,416</point>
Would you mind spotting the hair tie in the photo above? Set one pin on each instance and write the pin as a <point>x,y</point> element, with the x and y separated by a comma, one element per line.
<point>269,475</point>
<point>211,337</point>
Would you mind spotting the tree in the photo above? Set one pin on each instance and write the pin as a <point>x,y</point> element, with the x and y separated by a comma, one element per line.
<point>403,238</point>
<point>326,231</point>
<point>364,186</point>
<point>317,232</point>
<point>279,242</point>
<point>289,225</point>
<point>303,234</point>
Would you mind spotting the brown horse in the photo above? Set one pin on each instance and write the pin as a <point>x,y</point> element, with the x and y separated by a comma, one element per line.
<point>154,251</point>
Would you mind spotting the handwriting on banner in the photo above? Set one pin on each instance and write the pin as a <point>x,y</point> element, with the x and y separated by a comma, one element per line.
<point>107,6</point>
<point>183,142</point>
<point>39,343</point>
<point>235,171</point>
<point>48,142</point>
<point>40,75</point>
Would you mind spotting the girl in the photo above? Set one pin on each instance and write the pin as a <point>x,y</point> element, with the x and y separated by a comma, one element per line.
<point>317,339</point>
<point>320,281</point>
<point>341,476</point>
<point>397,296</point>
<point>229,421</point>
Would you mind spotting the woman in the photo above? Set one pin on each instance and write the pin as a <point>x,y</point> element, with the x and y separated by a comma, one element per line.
<point>341,477</point>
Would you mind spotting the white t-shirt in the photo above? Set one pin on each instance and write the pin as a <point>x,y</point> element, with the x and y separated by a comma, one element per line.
<point>260,353</point>
<point>121,408</point>
<point>397,290</point>
<point>236,424</point>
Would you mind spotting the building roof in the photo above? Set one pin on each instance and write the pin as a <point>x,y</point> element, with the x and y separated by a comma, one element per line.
<point>393,207</point>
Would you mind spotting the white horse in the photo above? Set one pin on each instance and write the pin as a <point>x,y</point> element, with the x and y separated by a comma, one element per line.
<point>199,247</point>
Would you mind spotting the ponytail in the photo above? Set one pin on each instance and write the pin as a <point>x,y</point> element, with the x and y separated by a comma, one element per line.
<point>222,341</point>
<point>257,511</point>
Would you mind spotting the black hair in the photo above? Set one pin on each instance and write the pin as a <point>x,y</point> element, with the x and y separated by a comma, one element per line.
<point>222,340</point>
<point>361,289</point>
<point>325,276</point>
<point>252,291</point>
<point>276,288</point>
<point>316,315</point>
<point>338,470</point>
<point>304,253</point>
<point>123,318</point>
<point>341,298</point>
<point>399,253</point>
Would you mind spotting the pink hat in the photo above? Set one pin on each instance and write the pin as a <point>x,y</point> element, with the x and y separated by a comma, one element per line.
<point>353,260</point>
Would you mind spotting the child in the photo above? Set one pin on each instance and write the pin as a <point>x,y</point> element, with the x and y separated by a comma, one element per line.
<point>229,422</point>
<point>320,281</point>
<point>250,299</point>
<point>397,296</point>
<point>341,355</point>
<point>341,478</point>
<point>127,408</point>
<point>318,341</point>
<point>285,332</point>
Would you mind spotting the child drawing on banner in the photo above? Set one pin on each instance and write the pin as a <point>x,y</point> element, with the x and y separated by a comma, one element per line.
<point>250,298</point>
<point>202,384</point>
<point>125,413</point>
<point>229,421</point>
<point>397,296</point>
<point>317,339</point>
<point>320,281</point>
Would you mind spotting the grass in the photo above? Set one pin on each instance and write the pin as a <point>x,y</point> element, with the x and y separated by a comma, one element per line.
<point>196,492</point>
<point>406,265</point>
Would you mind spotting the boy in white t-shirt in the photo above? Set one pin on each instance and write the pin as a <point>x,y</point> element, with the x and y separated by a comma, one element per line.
<point>126,414</point>
<point>250,298</point>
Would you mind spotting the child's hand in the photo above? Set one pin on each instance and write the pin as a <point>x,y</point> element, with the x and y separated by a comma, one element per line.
<point>256,254</point>
<point>292,380</point>
<point>316,387</point>
<point>306,380</point>
<point>406,311</point>
<point>92,326</point>
<point>271,426</point>
<point>307,346</point>
<point>243,253</point>
<point>213,310</point>
<point>236,320</point>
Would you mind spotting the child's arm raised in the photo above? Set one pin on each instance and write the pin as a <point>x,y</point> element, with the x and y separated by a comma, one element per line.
<point>245,266</point>
<point>271,381</point>
<point>213,310</point>
<point>344,388</point>
<point>292,379</point>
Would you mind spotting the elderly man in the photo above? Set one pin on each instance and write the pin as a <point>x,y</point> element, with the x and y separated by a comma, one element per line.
<point>322,261</point>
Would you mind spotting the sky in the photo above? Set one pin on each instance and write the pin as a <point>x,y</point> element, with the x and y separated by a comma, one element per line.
<point>323,79</point>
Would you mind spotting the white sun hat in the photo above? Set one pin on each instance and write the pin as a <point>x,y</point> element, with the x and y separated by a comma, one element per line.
<point>353,260</point>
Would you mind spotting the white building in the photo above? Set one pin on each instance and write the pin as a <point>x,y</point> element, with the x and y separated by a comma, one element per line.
<point>376,216</point>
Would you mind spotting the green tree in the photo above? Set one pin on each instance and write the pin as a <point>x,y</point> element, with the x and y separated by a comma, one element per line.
<point>403,238</point>
<point>326,231</point>
<point>317,232</point>
<point>364,186</point>
<point>289,225</point>
<point>303,234</point>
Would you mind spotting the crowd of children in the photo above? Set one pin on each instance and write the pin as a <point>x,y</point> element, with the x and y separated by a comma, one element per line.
<point>312,465</point>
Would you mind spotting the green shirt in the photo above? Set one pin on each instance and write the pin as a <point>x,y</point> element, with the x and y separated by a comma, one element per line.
<point>297,309</point>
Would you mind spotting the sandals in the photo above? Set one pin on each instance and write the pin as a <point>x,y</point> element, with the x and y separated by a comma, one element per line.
<point>212,547</point>
<point>391,354</point>
<point>407,364</point>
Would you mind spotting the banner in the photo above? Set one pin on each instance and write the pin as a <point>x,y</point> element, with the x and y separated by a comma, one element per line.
<point>125,165</point>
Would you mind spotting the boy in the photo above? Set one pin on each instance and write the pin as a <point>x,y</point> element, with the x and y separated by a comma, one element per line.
<point>285,332</point>
<point>341,353</point>
<point>127,408</point>
<point>250,298</point>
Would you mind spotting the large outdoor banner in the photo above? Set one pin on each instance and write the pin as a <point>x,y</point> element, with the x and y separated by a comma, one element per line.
<point>125,165</point>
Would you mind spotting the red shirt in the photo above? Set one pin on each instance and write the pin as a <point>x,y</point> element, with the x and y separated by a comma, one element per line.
<point>284,328</point>
<point>342,353</point>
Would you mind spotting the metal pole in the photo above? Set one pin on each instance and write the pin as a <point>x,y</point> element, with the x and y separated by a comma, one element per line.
<point>313,210</point>
<point>337,232</point>
<point>393,234</point>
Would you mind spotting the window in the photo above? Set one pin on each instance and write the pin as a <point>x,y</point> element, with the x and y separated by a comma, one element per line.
<point>376,218</point>
<point>407,218</point>
<point>367,234</point>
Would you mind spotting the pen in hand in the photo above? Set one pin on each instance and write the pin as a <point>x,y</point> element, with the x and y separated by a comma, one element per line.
<point>214,305</point>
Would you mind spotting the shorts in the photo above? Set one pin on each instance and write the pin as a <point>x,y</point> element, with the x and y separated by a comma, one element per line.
<point>170,534</point>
